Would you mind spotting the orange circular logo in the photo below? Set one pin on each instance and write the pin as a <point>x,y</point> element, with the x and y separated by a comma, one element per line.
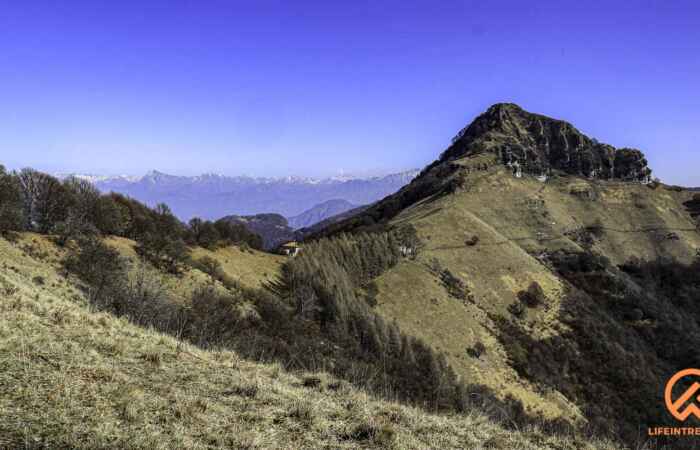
<point>691,395</point>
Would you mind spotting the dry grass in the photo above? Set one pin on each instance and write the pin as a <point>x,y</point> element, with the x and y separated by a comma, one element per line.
<point>72,378</point>
<point>514,219</point>
<point>251,268</point>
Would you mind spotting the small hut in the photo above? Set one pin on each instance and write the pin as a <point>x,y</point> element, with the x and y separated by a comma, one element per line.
<point>291,248</point>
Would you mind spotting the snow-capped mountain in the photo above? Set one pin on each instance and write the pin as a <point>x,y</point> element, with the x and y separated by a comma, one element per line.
<point>213,196</point>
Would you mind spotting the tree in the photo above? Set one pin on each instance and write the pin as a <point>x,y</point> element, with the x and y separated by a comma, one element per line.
<point>46,200</point>
<point>138,217</point>
<point>163,251</point>
<point>166,223</point>
<point>208,235</point>
<point>110,217</point>
<point>11,205</point>
<point>83,198</point>
<point>204,233</point>
<point>195,228</point>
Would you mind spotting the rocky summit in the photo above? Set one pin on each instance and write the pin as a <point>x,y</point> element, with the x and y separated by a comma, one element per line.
<point>540,145</point>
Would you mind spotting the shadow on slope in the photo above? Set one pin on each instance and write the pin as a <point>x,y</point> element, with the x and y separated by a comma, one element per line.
<point>629,330</point>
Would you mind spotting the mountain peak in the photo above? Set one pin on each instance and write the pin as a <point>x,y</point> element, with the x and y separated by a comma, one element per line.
<point>500,107</point>
<point>540,144</point>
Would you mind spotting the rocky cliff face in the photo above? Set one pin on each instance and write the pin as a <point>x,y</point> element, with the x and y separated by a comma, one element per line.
<point>540,145</point>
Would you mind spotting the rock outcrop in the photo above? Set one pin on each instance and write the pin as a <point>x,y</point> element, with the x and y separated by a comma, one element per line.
<point>539,145</point>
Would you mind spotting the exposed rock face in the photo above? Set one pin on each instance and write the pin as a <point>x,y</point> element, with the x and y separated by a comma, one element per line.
<point>539,145</point>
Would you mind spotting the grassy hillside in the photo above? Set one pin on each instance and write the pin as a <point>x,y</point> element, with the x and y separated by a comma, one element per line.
<point>72,377</point>
<point>495,234</point>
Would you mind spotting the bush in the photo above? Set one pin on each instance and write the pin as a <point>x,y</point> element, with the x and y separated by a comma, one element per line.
<point>214,317</point>
<point>141,298</point>
<point>472,240</point>
<point>596,229</point>
<point>533,296</point>
<point>372,290</point>
<point>303,411</point>
<point>101,267</point>
<point>455,287</point>
<point>210,266</point>
<point>517,309</point>
<point>248,390</point>
<point>476,351</point>
<point>382,436</point>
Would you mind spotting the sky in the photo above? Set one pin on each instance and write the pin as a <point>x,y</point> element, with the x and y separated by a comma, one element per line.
<point>320,88</point>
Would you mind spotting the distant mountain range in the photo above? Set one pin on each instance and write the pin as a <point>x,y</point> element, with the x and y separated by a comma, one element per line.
<point>212,196</point>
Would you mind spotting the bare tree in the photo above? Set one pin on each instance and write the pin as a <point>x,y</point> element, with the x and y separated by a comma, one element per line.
<point>46,200</point>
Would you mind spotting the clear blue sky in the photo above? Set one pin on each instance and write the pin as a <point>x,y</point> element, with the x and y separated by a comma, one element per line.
<point>313,88</point>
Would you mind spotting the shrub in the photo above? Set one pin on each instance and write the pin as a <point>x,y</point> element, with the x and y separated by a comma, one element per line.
<point>381,435</point>
<point>303,411</point>
<point>141,297</point>
<point>477,350</point>
<point>455,287</point>
<point>311,382</point>
<point>210,266</point>
<point>371,292</point>
<point>100,267</point>
<point>533,296</point>
<point>472,240</point>
<point>248,390</point>
<point>214,317</point>
<point>596,228</point>
<point>517,309</point>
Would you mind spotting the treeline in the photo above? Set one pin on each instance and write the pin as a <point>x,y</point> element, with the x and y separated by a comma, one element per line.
<point>34,201</point>
<point>329,285</point>
<point>210,235</point>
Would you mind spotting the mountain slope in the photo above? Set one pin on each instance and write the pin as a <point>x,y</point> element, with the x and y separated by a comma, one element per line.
<point>320,212</point>
<point>577,219</point>
<point>75,378</point>
<point>273,228</point>
<point>322,225</point>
